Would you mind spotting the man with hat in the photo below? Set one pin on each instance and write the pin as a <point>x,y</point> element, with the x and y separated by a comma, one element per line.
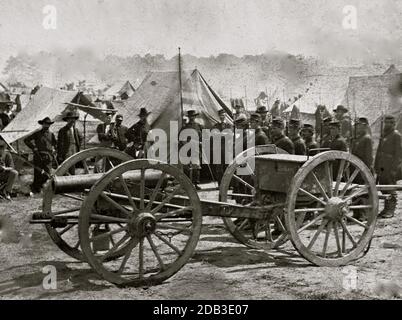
<point>119,134</point>
<point>43,144</point>
<point>325,140</point>
<point>104,130</point>
<point>137,135</point>
<point>388,163</point>
<point>279,139</point>
<point>307,133</point>
<point>241,125</point>
<point>298,143</point>
<point>265,121</point>
<point>8,174</point>
<point>239,109</point>
<point>221,129</point>
<point>69,138</point>
<point>255,124</point>
<point>192,170</point>
<point>362,145</point>
<point>337,141</point>
<point>345,122</point>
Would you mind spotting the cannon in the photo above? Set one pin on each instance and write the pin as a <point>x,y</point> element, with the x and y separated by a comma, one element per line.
<point>137,222</point>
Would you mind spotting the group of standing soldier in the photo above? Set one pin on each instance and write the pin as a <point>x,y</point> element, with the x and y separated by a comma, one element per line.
<point>48,151</point>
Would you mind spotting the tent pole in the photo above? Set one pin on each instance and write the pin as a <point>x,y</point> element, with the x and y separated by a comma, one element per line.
<point>181,93</point>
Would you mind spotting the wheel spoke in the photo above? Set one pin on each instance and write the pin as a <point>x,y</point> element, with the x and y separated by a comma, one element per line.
<point>357,222</point>
<point>85,165</point>
<point>305,210</point>
<point>66,229</point>
<point>324,194</point>
<point>77,244</point>
<point>339,177</point>
<point>312,196</point>
<point>110,162</point>
<point>126,256</point>
<point>128,193</point>
<point>155,191</point>
<point>242,225</point>
<point>280,224</point>
<point>166,200</point>
<point>171,245</point>
<point>243,182</point>
<point>70,196</point>
<point>328,169</point>
<point>357,193</point>
<point>345,230</point>
<point>114,248</point>
<point>107,234</point>
<point>115,204</point>
<point>349,182</point>
<point>169,226</point>
<point>338,243</point>
<point>317,233</point>
<point>141,258</point>
<point>328,231</point>
<point>153,247</point>
<point>105,219</point>
<point>312,222</point>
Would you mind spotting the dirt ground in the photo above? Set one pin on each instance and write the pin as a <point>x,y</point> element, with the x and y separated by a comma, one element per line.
<point>220,269</point>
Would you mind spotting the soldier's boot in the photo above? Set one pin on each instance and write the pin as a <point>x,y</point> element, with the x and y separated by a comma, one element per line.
<point>389,207</point>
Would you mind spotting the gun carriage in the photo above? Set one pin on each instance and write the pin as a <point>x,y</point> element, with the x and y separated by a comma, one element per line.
<point>137,222</point>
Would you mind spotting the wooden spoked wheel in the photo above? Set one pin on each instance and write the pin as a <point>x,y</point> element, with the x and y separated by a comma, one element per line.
<point>335,182</point>
<point>95,160</point>
<point>241,189</point>
<point>158,214</point>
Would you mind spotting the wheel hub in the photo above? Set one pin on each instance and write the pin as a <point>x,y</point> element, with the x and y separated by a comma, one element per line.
<point>142,225</point>
<point>335,209</point>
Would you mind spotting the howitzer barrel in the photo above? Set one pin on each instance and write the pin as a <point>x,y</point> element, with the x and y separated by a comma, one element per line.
<point>78,183</point>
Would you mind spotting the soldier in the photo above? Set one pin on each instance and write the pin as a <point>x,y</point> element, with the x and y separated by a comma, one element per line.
<point>362,146</point>
<point>137,135</point>
<point>265,121</point>
<point>43,144</point>
<point>345,122</point>
<point>278,137</point>
<point>69,139</point>
<point>255,124</point>
<point>192,170</point>
<point>119,134</point>
<point>104,130</point>
<point>8,174</point>
<point>325,140</point>
<point>337,141</point>
<point>241,125</point>
<point>307,132</point>
<point>219,168</point>
<point>298,142</point>
<point>387,163</point>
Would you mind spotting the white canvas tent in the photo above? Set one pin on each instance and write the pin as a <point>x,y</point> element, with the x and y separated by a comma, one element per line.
<point>120,89</point>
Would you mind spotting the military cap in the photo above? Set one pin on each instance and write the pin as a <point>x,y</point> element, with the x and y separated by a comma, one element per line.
<point>335,123</point>
<point>255,117</point>
<point>119,117</point>
<point>262,109</point>
<point>241,118</point>
<point>363,121</point>
<point>294,123</point>
<point>308,127</point>
<point>71,115</point>
<point>144,112</point>
<point>278,122</point>
<point>341,108</point>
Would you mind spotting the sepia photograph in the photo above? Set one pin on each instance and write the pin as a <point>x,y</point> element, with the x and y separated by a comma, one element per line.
<point>214,150</point>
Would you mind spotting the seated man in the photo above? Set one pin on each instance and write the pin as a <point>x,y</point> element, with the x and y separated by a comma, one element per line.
<point>8,174</point>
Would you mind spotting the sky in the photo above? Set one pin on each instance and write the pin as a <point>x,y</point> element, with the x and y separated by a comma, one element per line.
<point>204,28</point>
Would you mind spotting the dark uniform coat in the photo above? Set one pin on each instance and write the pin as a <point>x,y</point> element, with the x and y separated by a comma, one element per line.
<point>219,168</point>
<point>339,143</point>
<point>299,145</point>
<point>137,134</point>
<point>389,157</point>
<point>43,143</point>
<point>362,147</point>
<point>312,144</point>
<point>283,142</point>
<point>68,142</point>
<point>119,136</point>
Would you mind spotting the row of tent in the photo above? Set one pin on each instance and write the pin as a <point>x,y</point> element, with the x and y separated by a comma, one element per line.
<point>158,93</point>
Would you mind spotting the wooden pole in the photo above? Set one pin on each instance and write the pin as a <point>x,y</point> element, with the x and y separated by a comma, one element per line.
<point>181,93</point>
